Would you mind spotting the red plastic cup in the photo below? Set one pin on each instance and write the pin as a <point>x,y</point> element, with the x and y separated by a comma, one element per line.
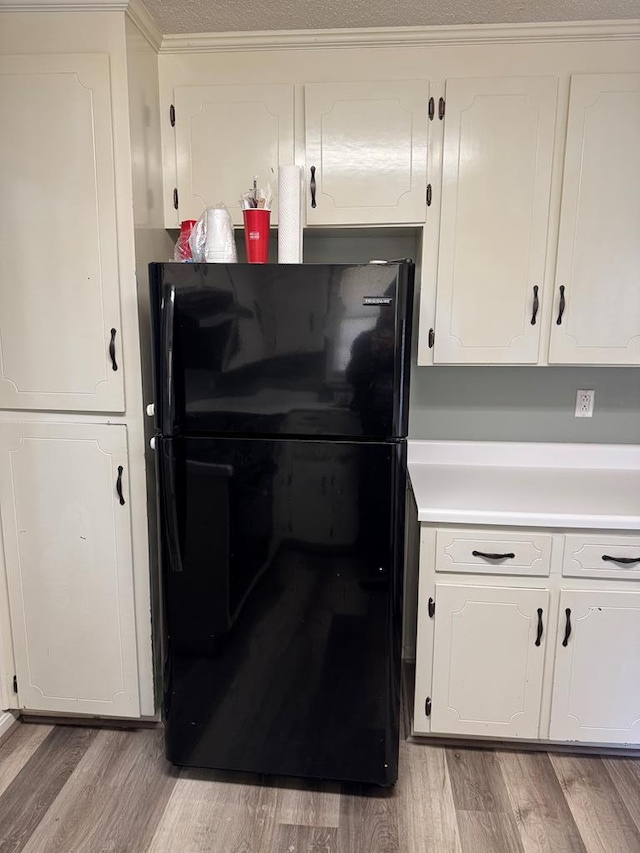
<point>256,234</point>
<point>184,247</point>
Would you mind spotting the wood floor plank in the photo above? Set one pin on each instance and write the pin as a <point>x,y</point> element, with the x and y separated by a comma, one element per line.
<point>476,781</point>
<point>598,810</point>
<point>368,820</point>
<point>426,812</point>
<point>543,817</point>
<point>625,774</point>
<point>487,832</point>
<point>305,839</point>
<point>114,799</point>
<point>308,803</point>
<point>211,812</point>
<point>28,797</point>
<point>18,748</point>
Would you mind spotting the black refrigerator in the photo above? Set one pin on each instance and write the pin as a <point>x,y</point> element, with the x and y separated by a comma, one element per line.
<point>281,419</point>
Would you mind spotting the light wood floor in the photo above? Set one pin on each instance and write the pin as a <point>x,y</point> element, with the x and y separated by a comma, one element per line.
<point>67,789</point>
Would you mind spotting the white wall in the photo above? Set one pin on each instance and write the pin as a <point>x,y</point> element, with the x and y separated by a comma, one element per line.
<point>152,243</point>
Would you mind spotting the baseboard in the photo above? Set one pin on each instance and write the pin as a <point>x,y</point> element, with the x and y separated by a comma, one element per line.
<point>7,720</point>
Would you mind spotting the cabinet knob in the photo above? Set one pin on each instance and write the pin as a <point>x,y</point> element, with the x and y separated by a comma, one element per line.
<point>152,442</point>
<point>151,409</point>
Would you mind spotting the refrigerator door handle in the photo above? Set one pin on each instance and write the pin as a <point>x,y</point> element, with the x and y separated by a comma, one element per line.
<point>167,329</point>
<point>170,505</point>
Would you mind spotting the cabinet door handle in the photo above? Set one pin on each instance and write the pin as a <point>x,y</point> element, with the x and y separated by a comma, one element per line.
<point>509,556</point>
<point>540,627</point>
<point>431,607</point>
<point>536,305</point>
<point>625,561</point>
<point>567,627</point>
<point>562,306</point>
<point>112,350</point>
<point>119,485</point>
<point>312,186</point>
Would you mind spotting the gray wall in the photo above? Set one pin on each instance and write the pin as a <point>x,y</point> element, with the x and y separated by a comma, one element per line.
<point>524,403</point>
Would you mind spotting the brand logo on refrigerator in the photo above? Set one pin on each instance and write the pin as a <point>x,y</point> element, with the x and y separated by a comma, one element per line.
<point>377,300</point>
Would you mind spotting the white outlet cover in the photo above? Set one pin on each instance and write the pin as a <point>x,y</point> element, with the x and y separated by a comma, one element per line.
<point>584,403</point>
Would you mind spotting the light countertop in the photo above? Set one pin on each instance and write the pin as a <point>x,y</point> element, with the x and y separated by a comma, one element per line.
<point>532,485</point>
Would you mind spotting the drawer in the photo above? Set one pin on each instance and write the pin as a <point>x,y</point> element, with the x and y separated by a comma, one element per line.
<point>601,556</point>
<point>493,552</point>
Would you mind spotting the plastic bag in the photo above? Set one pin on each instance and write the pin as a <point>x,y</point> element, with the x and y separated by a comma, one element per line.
<point>182,249</point>
<point>212,239</point>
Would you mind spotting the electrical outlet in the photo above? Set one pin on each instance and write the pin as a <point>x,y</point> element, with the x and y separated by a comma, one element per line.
<point>584,404</point>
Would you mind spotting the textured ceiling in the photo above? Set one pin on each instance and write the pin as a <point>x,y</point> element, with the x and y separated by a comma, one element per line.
<point>208,16</point>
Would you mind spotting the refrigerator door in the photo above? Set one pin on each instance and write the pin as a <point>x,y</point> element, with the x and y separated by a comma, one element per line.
<point>282,350</point>
<point>283,588</point>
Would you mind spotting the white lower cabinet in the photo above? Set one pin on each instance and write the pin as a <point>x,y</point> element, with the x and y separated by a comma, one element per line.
<point>66,530</point>
<point>488,660</point>
<point>596,684</point>
<point>498,658</point>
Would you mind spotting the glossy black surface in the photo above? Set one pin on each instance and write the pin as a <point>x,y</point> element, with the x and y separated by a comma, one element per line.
<point>282,349</point>
<point>281,406</point>
<point>283,583</point>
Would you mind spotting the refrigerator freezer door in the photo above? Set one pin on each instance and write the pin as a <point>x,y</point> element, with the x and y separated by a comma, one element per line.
<point>282,350</point>
<point>284,609</point>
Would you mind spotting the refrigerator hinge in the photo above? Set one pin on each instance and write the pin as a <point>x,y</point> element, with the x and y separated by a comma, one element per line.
<point>441,107</point>
<point>432,109</point>
<point>427,706</point>
<point>428,195</point>
<point>175,197</point>
<point>172,115</point>
<point>15,683</point>
<point>431,608</point>
<point>431,338</point>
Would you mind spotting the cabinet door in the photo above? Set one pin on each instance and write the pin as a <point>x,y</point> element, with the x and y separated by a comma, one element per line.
<point>368,145</point>
<point>599,243</point>
<point>59,289</point>
<point>596,683</point>
<point>224,136</point>
<point>67,547</point>
<point>487,668</point>
<point>498,150</point>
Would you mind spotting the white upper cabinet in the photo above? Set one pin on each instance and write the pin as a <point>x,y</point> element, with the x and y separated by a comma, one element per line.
<point>488,660</point>
<point>67,548</point>
<point>596,687</point>
<point>224,136</point>
<point>367,146</point>
<point>497,158</point>
<point>59,288</point>
<point>598,267</point>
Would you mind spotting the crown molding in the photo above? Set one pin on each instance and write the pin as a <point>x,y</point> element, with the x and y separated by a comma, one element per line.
<point>63,5</point>
<point>400,36</point>
<point>137,12</point>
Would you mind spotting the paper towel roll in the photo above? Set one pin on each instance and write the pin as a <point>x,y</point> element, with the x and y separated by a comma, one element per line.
<point>290,215</point>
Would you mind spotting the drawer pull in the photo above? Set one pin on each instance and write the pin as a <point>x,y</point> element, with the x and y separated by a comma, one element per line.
<point>312,186</point>
<point>119,485</point>
<point>112,350</point>
<point>625,561</point>
<point>493,556</point>
<point>540,627</point>
<point>536,305</point>
<point>562,306</point>
<point>567,627</point>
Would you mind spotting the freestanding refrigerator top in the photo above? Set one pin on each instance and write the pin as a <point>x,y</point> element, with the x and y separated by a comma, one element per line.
<point>282,350</point>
